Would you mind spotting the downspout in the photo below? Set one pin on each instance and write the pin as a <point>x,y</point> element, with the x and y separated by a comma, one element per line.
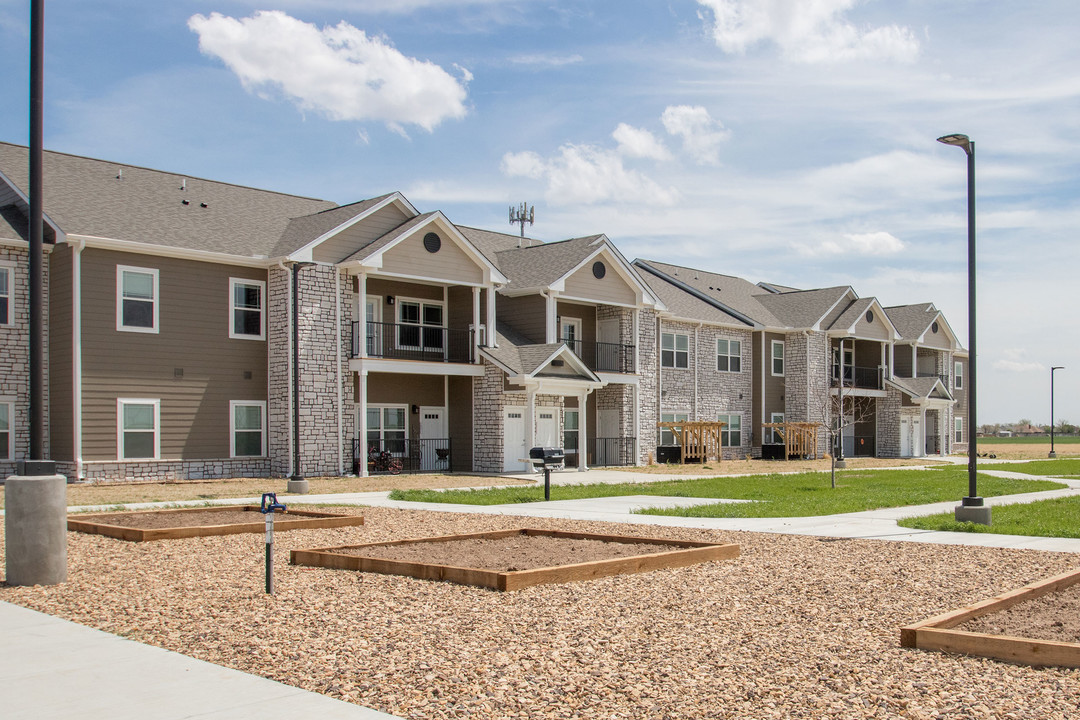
<point>340,395</point>
<point>76,347</point>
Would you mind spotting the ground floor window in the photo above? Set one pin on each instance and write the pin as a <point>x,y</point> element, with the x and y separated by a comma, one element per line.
<point>774,435</point>
<point>248,428</point>
<point>6,434</point>
<point>386,427</point>
<point>138,429</point>
<point>570,431</point>
<point>731,434</point>
<point>666,436</point>
<point>958,430</point>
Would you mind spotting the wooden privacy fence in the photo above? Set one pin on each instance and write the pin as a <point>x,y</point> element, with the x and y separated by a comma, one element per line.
<point>800,438</point>
<point>699,440</point>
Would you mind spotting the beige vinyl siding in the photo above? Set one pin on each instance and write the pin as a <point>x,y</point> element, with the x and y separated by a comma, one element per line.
<point>450,264</point>
<point>939,340</point>
<point>460,421</point>
<point>876,330</point>
<point>348,241</point>
<point>61,382</point>
<point>194,316</point>
<point>609,289</point>
<point>775,387</point>
<point>526,314</point>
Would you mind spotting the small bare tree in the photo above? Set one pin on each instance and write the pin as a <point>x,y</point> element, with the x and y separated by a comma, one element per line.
<point>837,412</point>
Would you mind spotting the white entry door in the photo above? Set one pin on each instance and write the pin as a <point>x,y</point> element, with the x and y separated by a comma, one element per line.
<point>905,437</point>
<point>547,428</point>
<point>514,449</point>
<point>916,437</point>
<point>433,436</point>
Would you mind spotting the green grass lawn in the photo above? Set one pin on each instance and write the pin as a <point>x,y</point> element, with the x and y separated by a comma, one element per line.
<point>801,495</point>
<point>1033,440</point>
<point>1062,467</point>
<point>1045,518</point>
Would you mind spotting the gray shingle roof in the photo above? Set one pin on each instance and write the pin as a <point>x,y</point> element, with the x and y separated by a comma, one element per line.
<point>729,291</point>
<point>385,239</point>
<point>302,230</point>
<point>917,387</point>
<point>687,306</point>
<point>85,196</point>
<point>852,314</point>
<point>911,321</point>
<point>802,308</point>
<point>539,266</point>
<point>490,243</point>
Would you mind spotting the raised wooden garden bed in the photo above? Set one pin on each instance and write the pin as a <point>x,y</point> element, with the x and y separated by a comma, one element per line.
<point>195,522</point>
<point>940,633</point>
<point>515,559</point>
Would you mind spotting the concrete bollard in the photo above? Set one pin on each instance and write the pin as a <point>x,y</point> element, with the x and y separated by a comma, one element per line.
<point>35,528</point>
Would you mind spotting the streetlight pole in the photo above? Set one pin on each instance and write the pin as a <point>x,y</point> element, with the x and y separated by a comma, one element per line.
<point>972,508</point>
<point>1052,369</point>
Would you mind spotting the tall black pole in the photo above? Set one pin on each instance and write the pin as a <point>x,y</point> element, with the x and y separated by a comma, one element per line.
<point>37,334</point>
<point>973,493</point>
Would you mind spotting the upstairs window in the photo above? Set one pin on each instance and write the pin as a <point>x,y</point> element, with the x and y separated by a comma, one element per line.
<point>958,430</point>
<point>674,350</point>
<point>958,375</point>
<point>136,299</point>
<point>7,284</point>
<point>247,315</point>
<point>729,356</point>
<point>420,325</point>
<point>778,358</point>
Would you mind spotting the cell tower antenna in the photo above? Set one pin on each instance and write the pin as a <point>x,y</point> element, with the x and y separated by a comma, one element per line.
<point>523,214</point>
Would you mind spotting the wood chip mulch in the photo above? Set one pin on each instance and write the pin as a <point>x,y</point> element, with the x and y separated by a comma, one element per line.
<point>793,628</point>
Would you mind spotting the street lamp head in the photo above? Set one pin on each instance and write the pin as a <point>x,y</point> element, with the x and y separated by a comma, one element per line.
<point>1056,367</point>
<point>958,140</point>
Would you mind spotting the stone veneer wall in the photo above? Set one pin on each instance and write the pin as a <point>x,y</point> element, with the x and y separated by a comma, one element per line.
<point>488,420</point>
<point>169,470</point>
<point>702,390</point>
<point>888,423</point>
<point>806,382</point>
<point>15,356</point>
<point>318,371</point>
<point>648,394</point>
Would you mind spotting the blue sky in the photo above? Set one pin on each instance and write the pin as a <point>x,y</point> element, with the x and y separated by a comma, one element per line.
<point>777,140</point>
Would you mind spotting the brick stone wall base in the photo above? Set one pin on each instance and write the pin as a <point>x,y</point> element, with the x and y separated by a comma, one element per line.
<point>166,470</point>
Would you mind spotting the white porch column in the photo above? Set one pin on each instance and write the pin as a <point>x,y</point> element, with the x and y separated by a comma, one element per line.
<point>361,327</point>
<point>884,363</point>
<point>491,316</point>
<point>530,419</point>
<point>361,428</point>
<point>583,435</point>
<point>551,317</point>
<point>476,324</point>
<point>892,360</point>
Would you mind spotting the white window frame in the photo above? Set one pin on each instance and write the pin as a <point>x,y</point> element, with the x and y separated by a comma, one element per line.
<point>233,404</point>
<point>156,300</point>
<point>674,350</point>
<point>958,375</point>
<point>576,344</point>
<point>958,429</point>
<point>8,453</point>
<point>672,416</point>
<point>382,429</point>
<point>772,358</point>
<point>729,355</point>
<point>399,303</point>
<point>776,418</point>
<point>726,430</point>
<point>233,282</point>
<point>571,432</point>
<point>8,268</point>
<point>120,403</point>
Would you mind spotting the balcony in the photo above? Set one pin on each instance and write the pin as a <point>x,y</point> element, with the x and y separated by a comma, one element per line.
<point>863,378</point>
<point>404,341</point>
<point>603,356</point>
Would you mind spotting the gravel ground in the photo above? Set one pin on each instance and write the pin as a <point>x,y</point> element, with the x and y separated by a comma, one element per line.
<point>1055,616</point>
<point>793,628</point>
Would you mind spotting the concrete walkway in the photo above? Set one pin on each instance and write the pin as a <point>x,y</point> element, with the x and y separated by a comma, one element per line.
<point>51,668</point>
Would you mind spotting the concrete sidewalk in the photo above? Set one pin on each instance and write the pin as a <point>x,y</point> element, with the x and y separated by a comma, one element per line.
<point>52,669</point>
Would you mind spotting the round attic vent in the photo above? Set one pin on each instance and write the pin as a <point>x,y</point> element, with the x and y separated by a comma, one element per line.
<point>933,328</point>
<point>432,242</point>
<point>598,270</point>
<point>869,316</point>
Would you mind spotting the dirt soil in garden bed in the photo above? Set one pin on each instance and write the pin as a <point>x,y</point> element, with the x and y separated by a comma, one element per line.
<point>1054,616</point>
<point>793,628</point>
<point>522,552</point>
<point>187,518</point>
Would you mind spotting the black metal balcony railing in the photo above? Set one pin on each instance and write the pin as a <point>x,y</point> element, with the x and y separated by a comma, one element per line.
<point>613,452</point>
<point>404,341</point>
<point>604,356</point>
<point>416,455</point>
<point>865,378</point>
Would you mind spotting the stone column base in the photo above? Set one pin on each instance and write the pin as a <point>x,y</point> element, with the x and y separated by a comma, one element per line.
<point>35,528</point>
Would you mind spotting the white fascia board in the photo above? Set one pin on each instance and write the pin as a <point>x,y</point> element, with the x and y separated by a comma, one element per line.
<point>304,254</point>
<point>559,386</point>
<point>414,367</point>
<point>570,357</point>
<point>497,363</point>
<point>618,378</point>
<point>491,273</point>
<point>168,251</point>
<point>24,203</point>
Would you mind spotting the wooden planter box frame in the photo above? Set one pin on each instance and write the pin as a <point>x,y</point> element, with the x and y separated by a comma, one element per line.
<point>936,633</point>
<point>687,552</point>
<point>288,520</point>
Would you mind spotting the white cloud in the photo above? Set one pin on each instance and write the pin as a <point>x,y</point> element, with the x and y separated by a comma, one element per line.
<point>339,71</point>
<point>701,135</point>
<point>807,31</point>
<point>860,244</point>
<point>544,60</point>
<point>639,143</point>
<point>585,175</point>
<point>1016,366</point>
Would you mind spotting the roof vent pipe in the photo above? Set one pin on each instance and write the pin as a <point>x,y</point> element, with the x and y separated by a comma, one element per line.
<point>183,183</point>
<point>120,174</point>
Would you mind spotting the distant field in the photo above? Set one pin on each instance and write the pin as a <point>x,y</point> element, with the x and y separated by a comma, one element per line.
<point>1032,440</point>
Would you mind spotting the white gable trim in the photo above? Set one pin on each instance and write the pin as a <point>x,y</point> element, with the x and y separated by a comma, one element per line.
<point>849,292</point>
<point>642,291</point>
<point>940,319</point>
<point>880,312</point>
<point>304,254</point>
